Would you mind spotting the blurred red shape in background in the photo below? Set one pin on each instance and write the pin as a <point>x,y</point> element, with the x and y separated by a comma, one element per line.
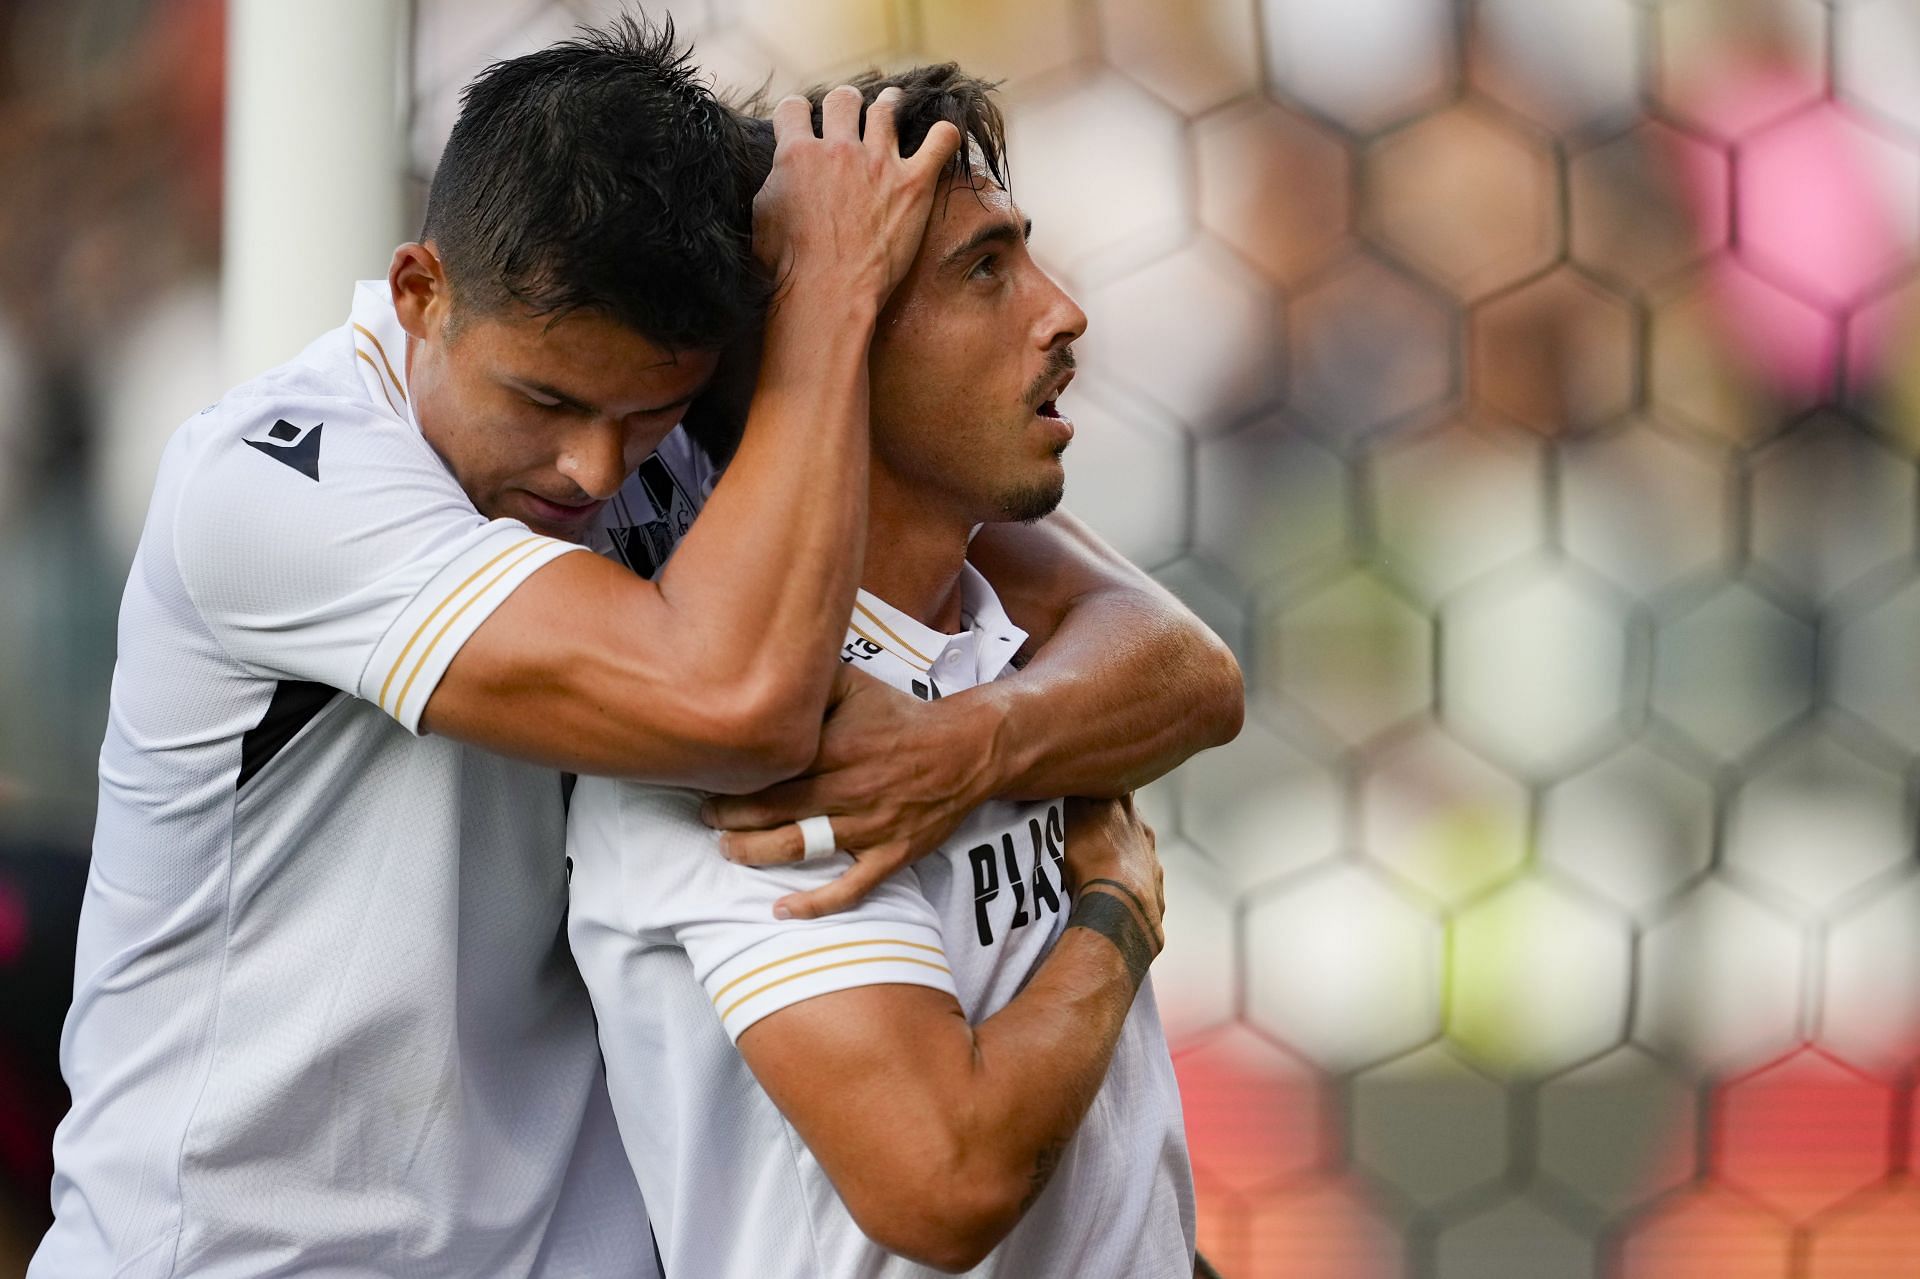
<point>1259,1127</point>
<point>1803,1133</point>
<point>1817,226</point>
<point>1254,1112</point>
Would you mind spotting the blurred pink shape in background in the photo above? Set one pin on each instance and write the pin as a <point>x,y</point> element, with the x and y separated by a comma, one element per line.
<point>1815,229</point>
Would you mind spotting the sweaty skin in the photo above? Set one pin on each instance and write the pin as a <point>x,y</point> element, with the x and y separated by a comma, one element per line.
<point>966,367</point>
<point>1125,684</point>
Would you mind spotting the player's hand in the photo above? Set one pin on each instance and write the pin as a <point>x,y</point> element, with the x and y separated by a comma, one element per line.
<point>841,208</point>
<point>1110,848</point>
<point>896,775</point>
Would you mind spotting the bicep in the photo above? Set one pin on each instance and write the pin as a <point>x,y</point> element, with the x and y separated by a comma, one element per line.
<point>850,1024</point>
<point>524,683</point>
<point>585,668</point>
<point>862,1073</point>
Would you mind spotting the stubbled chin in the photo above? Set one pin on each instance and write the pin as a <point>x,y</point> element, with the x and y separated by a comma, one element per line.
<point>1036,499</point>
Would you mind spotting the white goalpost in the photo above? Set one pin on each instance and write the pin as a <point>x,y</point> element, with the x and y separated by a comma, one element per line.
<point>315,165</point>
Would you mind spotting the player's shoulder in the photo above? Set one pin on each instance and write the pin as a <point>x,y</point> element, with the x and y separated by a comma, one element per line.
<point>292,437</point>
<point>280,407</point>
<point>292,473</point>
<point>639,857</point>
<point>606,814</point>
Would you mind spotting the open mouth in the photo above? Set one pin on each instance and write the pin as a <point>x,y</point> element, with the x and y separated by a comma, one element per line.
<point>1053,388</point>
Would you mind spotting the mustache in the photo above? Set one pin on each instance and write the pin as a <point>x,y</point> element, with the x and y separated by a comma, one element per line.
<point>1058,362</point>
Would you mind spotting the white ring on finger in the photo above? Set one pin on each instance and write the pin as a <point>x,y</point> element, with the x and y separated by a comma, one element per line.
<point>816,836</point>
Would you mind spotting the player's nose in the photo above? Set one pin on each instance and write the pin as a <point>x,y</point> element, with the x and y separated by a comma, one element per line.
<point>595,459</point>
<point>1061,320</point>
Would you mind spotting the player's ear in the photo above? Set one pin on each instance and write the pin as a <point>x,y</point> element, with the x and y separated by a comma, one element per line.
<point>421,296</point>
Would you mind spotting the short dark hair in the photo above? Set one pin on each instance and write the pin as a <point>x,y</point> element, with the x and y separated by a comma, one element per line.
<point>601,174</point>
<point>928,94</point>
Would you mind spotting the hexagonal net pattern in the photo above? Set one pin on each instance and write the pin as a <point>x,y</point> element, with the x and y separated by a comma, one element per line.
<point>1528,392</point>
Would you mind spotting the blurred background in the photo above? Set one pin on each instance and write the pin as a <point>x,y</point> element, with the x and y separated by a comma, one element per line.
<point>1528,389</point>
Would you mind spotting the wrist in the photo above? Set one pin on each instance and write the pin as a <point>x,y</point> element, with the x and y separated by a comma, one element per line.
<point>817,326</point>
<point>1101,910</point>
<point>825,293</point>
<point>1111,879</point>
<point>817,337</point>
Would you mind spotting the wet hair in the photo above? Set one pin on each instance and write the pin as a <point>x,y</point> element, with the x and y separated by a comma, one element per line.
<point>928,94</point>
<point>601,174</point>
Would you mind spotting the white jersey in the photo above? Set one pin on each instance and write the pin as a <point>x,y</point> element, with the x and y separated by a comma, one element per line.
<point>324,1018</point>
<point>681,952</point>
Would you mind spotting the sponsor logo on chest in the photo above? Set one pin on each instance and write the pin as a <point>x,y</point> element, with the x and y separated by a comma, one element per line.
<point>1019,874</point>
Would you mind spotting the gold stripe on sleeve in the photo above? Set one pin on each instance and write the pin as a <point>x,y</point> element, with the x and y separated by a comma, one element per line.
<point>862,608</point>
<point>361,352</point>
<point>383,359</point>
<point>845,963</point>
<point>821,950</point>
<point>451,597</point>
<point>446,626</point>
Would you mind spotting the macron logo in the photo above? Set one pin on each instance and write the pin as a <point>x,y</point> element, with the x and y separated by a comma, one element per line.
<point>284,443</point>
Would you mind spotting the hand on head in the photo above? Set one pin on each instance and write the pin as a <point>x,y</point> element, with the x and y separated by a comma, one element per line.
<point>845,206</point>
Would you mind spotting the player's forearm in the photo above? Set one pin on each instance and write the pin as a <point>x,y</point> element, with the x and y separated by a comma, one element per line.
<point>763,582</point>
<point>1126,689</point>
<point>997,1110</point>
<point>1038,1062</point>
<point>765,579</point>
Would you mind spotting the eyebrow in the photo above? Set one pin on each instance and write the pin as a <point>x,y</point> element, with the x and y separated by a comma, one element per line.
<point>580,405</point>
<point>1005,231</point>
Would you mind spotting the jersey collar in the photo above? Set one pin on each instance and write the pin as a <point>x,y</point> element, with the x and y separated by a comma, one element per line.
<point>981,651</point>
<point>380,347</point>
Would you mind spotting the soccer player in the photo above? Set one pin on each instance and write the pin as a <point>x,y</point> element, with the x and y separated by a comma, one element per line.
<point>324,1019</point>
<point>965,1069</point>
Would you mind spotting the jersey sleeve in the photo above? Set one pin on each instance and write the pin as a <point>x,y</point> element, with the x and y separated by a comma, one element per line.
<point>365,568</point>
<point>647,871</point>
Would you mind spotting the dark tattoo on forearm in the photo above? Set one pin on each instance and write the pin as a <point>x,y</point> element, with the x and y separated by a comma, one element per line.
<point>1138,905</point>
<point>1103,913</point>
<point>1043,1165</point>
